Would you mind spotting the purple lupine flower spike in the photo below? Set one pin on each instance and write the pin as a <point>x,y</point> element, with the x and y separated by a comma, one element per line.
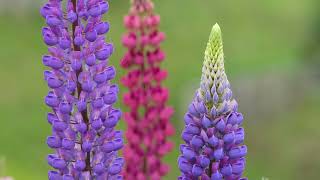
<point>213,134</point>
<point>81,95</point>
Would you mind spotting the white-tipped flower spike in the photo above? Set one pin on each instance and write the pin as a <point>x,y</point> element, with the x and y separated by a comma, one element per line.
<point>213,134</point>
<point>214,87</point>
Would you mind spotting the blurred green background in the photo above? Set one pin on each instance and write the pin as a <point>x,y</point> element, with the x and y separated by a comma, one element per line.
<point>272,53</point>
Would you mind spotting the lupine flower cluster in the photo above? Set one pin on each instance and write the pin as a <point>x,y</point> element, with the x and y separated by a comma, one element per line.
<point>213,132</point>
<point>148,117</point>
<point>81,95</point>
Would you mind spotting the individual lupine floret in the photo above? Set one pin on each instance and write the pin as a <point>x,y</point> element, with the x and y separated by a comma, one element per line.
<point>213,134</point>
<point>148,118</point>
<point>81,94</point>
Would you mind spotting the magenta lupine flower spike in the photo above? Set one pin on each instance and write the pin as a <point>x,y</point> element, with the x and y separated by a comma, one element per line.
<point>81,95</point>
<point>213,132</point>
<point>148,118</point>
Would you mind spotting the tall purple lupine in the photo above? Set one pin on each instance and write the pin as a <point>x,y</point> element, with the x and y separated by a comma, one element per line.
<point>81,95</point>
<point>213,134</point>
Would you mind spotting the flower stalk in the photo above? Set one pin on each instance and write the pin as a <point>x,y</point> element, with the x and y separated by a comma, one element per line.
<point>213,134</point>
<point>81,95</point>
<point>148,118</point>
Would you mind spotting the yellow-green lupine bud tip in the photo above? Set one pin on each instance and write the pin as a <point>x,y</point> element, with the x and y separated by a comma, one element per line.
<point>215,31</point>
<point>214,46</point>
<point>214,82</point>
<point>213,65</point>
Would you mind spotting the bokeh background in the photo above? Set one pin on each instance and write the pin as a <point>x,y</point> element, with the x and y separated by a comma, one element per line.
<point>272,53</point>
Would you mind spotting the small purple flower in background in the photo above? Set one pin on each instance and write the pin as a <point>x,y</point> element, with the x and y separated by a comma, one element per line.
<point>213,132</point>
<point>81,95</point>
<point>6,178</point>
<point>2,170</point>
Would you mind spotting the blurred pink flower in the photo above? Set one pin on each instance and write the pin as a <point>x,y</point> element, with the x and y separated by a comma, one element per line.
<point>148,118</point>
